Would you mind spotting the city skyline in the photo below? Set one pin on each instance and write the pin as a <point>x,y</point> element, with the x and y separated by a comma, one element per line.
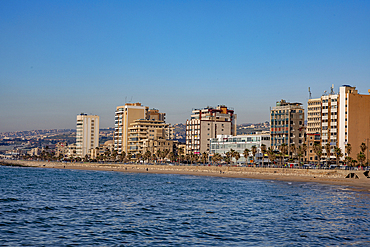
<point>59,59</point>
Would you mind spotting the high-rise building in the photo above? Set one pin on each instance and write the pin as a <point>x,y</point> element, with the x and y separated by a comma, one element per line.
<point>314,116</point>
<point>313,128</point>
<point>341,119</point>
<point>207,123</point>
<point>353,120</point>
<point>124,116</point>
<point>287,124</point>
<point>87,134</point>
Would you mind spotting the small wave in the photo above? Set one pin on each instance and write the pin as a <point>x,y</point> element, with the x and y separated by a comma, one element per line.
<point>128,232</point>
<point>10,199</point>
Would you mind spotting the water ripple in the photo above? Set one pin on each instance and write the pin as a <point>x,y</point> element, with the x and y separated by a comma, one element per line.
<point>46,207</point>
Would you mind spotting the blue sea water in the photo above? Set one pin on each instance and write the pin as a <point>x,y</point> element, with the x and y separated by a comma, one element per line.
<point>51,207</point>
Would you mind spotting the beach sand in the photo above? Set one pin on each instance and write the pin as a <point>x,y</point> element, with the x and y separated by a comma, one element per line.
<point>334,177</point>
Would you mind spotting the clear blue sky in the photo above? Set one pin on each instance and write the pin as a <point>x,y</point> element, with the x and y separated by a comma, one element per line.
<point>61,58</point>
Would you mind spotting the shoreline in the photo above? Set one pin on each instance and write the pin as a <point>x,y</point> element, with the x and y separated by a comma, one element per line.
<point>333,177</point>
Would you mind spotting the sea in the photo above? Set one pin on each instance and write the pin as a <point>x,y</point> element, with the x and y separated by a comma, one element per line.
<point>58,207</point>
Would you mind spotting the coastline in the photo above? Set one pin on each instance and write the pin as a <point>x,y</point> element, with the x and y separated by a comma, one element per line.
<point>333,177</point>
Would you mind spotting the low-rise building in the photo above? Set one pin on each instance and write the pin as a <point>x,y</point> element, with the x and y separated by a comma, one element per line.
<point>224,143</point>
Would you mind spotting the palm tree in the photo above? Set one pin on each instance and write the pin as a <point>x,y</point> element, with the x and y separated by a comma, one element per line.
<point>217,158</point>
<point>292,150</point>
<point>232,154</point>
<point>138,157</point>
<point>246,155</point>
<point>172,156</point>
<point>159,154</point>
<point>107,152</point>
<point>300,153</point>
<point>114,155</point>
<point>165,153</point>
<point>254,151</point>
<point>283,149</point>
<point>271,155</point>
<point>363,148</point>
<point>180,151</point>
<point>338,154</point>
<point>122,156</point>
<point>263,151</point>
<point>129,157</point>
<point>348,160</point>
<point>304,149</point>
<point>236,156</point>
<point>348,149</point>
<point>317,148</point>
<point>204,158</point>
<point>361,157</point>
<point>327,150</point>
<point>228,156</point>
<point>147,155</point>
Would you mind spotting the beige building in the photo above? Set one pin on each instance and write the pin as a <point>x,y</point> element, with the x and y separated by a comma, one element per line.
<point>124,116</point>
<point>134,124</point>
<point>61,149</point>
<point>72,151</point>
<point>158,145</point>
<point>354,120</point>
<point>87,134</point>
<point>311,140</point>
<point>287,124</point>
<point>102,149</point>
<point>207,123</point>
<point>341,118</point>
<point>142,130</point>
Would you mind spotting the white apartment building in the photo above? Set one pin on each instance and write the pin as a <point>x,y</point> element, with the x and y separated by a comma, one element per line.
<point>87,134</point>
<point>329,121</point>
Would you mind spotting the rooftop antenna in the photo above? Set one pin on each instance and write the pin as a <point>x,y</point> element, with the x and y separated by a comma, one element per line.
<point>332,89</point>
<point>325,92</point>
<point>309,91</point>
<point>125,99</point>
<point>131,99</point>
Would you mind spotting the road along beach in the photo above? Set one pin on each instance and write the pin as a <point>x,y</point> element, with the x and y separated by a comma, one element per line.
<point>357,180</point>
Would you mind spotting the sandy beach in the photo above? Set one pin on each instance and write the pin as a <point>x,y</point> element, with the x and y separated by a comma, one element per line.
<point>334,177</point>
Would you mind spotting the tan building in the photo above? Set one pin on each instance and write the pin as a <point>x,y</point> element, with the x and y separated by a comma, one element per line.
<point>102,149</point>
<point>143,129</point>
<point>344,118</point>
<point>354,120</point>
<point>87,134</point>
<point>124,116</point>
<point>207,123</point>
<point>311,140</point>
<point>287,124</point>
<point>158,145</point>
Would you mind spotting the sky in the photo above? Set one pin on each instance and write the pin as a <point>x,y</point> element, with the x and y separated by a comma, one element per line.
<point>62,58</point>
